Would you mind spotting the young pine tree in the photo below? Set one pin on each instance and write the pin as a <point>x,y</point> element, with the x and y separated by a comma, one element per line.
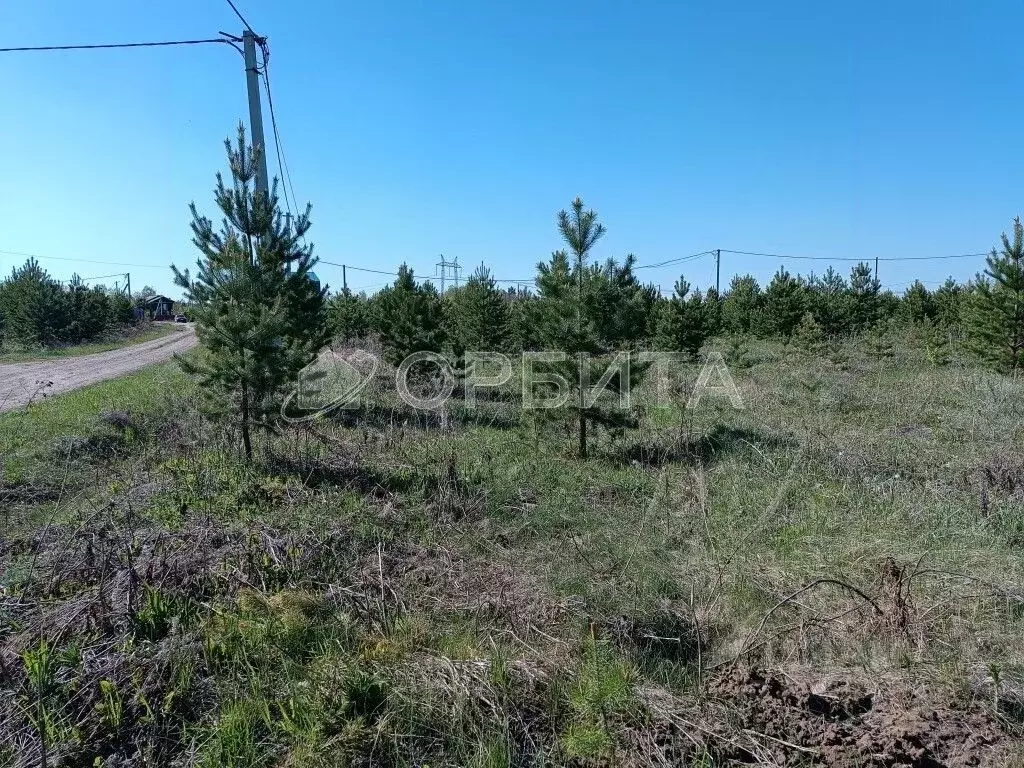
<point>918,305</point>
<point>784,304</point>
<point>477,315</point>
<point>687,320</point>
<point>937,342</point>
<point>569,325</point>
<point>33,306</point>
<point>880,340</point>
<point>408,316</point>
<point>949,304</point>
<point>808,335</point>
<point>864,298</point>
<point>624,309</point>
<point>995,314</point>
<point>830,302</point>
<point>258,315</point>
<point>742,305</point>
<point>348,315</point>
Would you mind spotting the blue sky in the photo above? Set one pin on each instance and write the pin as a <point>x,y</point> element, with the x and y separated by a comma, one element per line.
<point>456,127</point>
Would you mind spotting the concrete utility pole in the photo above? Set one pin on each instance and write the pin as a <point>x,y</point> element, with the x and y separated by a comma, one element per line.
<point>718,272</point>
<point>876,268</point>
<point>252,78</point>
<point>344,279</point>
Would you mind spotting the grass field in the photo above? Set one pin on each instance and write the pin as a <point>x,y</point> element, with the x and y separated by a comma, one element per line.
<point>146,332</point>
<point>829,576</point>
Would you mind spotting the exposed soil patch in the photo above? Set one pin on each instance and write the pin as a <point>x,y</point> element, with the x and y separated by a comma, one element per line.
<point>843,725</point>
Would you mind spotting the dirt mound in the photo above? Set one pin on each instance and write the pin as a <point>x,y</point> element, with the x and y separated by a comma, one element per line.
<point>842,725</point>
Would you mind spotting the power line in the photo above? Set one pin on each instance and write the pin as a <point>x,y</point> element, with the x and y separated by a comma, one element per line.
<point>83,261</point>
<point>277,144</point>
<point>843,258</point>
<point>242,18</point>
<point>359,269</point>
<point>395,274</point>
<point>679,260</point>
<point>282,159</point>
<point>115,45</point>
<point>282,163</point>
<point>101,277</point>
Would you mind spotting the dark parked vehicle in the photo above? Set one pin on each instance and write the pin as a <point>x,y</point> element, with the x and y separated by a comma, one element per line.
<point>180,319</point>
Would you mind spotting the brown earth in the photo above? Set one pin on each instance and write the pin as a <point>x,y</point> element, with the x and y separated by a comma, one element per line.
<point>22,383</point>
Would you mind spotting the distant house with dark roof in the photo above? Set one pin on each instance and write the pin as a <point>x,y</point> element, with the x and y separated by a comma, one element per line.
<point>159,307</point>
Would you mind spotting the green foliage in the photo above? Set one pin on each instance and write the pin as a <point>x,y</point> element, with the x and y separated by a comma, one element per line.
<point>784,304</point>
<point>409,317</point>
<point>949,303</point>
<point>937,342</point>
<point>742,304</point>
<point>525,330</point>
<point>809,336</point>
<point>36,310</point>
<point>865,290</point>
<point>258,315</point>
<point>158,612</point>
<point>493,752</point>
<point>918,303</point>
<point>568,317</point>
<point>880,340</point>
<point>477,315</point>
<point>585,740</point>
<point>292,659</point>
<point>348,315</point>
<point>111,704</point>
<point>602,688</point>
<point>995,311</point>
<point>239,739</point>
<point>624,310</point>
<point>687,320</point>
<point>829,300</point>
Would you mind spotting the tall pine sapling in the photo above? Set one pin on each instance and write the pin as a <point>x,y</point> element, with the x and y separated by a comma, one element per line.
<point>865,288</point>
<point>477,315</point>
<point>784,304</point>
<point>408,316</point>
<point>687,320</point>
<point>742,305</point>
<point>995,314</point>
<point>348,315</point>
<point>258,315</point>
<point>570,327</point>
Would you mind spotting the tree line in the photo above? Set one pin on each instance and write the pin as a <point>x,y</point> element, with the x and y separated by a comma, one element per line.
<point>38,310</point>
<point>261,319</point>
<point>622,312</point>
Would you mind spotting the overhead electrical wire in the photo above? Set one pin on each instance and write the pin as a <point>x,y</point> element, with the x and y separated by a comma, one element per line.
<point>116,45</point>
<point>680,260</point>
<point>286,182</point>
<point>282,159</point>
<point>844,258</point>
<point>101,277</point>
<point>83,261</point>
<point>242,18</point>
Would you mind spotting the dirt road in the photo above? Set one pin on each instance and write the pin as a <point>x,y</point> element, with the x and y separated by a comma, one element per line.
<point>22,382</point>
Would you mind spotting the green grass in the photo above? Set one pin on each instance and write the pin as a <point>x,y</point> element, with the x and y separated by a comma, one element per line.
<point>151,333</point>
<point>475,595</point>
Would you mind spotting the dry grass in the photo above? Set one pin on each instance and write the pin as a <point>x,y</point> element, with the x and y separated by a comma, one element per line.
<point>830,576</point>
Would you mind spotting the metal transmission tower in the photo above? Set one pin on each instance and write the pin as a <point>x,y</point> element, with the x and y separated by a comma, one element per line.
<point>444,265</point>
